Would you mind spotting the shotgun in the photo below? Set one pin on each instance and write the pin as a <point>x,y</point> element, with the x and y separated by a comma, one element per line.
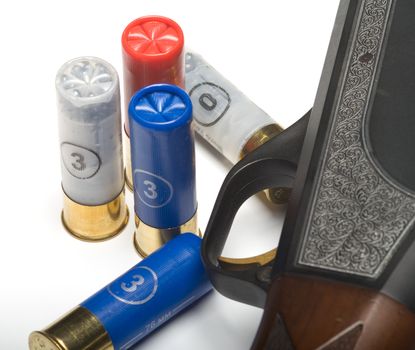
<point>343,277</point>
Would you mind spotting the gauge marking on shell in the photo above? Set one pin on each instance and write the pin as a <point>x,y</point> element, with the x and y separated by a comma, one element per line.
<point>153,190</point>
<point>136,287</point>
<point>81,162</point>
<point>210,101</point>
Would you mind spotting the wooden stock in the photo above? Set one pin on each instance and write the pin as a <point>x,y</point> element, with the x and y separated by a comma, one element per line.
<point>310,314</point>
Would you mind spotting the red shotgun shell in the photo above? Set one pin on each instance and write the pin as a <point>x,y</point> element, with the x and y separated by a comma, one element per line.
<point>153,52</point>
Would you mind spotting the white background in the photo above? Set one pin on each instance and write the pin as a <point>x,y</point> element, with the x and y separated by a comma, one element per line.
<point>272,50</point>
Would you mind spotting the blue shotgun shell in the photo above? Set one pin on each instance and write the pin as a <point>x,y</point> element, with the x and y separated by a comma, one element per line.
<point>133,305</point>
<point>163,164</point>
<point>163,158</point>
<point>151,292</point>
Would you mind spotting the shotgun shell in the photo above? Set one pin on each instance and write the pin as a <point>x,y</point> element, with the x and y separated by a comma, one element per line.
<point>89,118</point>
<point>152,49</point>
<point>133,305</point>
<point>163,162</point>
<point>226,118</point>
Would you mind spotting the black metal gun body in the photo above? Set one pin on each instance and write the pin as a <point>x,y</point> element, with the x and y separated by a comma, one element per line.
<point>343,275</point>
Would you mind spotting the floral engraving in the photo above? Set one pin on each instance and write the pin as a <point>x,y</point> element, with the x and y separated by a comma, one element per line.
<point>358,217</point>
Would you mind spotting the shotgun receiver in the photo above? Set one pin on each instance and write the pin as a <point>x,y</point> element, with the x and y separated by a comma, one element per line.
<point>343,277</point>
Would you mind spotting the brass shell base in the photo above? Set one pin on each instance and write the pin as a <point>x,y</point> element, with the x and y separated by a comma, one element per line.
<point>127,161</point>
<point>261,136</point>
<point>241,263</point>
<point>278,195</point>
<point>148,239</point>
<point>95,223</point>
<point>77,330</point>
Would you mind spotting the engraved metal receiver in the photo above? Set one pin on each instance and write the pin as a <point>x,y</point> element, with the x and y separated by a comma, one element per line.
<point>342,278</point>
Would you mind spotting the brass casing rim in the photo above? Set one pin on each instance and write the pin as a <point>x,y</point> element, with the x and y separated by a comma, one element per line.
<point>258,260</point>
<point>79,329</point>
<point>95,223</point>
<point>261,136</point>
<point>278,195</point>
<point>148,239</point>
<point>40,336</point>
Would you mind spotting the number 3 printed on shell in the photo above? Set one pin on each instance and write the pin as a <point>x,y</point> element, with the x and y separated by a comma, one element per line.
<point>80,161</point>
<point>153,190</point>
<point>136,287</point>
